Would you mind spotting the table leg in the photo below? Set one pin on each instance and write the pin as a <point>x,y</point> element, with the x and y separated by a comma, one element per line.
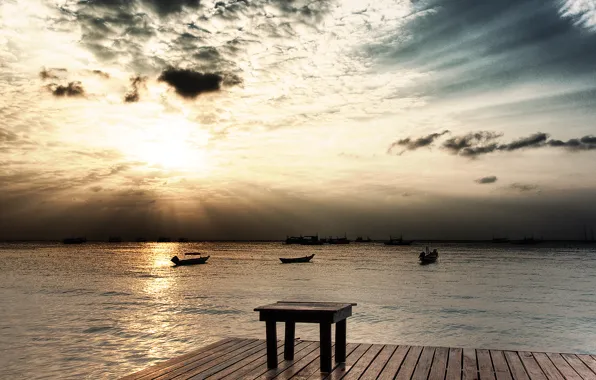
<point>289,342</point>
<point>340,341</point>
<point>271,344</point>
<point>325,337</point>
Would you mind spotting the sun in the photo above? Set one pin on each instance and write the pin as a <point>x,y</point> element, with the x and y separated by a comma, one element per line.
<point>172,145</point>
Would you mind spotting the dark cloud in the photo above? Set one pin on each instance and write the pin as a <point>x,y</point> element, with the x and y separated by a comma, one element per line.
<point>486,180</point>
<point>52,73</point>
<point>137,82</point>
<point>413,144</point>
<point>190,84</point>
<point>536,140</point>
<point>71,89</point>
<point>523,188</point>
<point>102,74</point>
<point>473,143</point>
<point>476,144</point>
<point>161,7</point>
<point>575,145</point>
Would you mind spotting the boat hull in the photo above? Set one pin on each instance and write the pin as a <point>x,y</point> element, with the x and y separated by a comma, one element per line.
<point>304,259</point>
<point>195,261</point>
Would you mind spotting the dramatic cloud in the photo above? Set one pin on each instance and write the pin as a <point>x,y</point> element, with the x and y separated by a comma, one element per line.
<point>486,180</point>
<point>475,144</point>
<point>137,82</point>
<point>190,84</point>
<point>472,144</point>
<point>71,89</point>
<point>536,140</point>
<point>575,145</point>
<point>102,74</point>
<point>51,73</point>
<point>413,144</point>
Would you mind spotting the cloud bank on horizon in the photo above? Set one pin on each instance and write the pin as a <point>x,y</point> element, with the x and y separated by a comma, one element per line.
<point>295,114</point>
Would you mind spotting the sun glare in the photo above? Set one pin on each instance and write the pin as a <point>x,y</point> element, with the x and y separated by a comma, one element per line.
<point>174,145</point>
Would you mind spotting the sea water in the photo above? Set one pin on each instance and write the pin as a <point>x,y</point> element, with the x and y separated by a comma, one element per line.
<point>100,310</point>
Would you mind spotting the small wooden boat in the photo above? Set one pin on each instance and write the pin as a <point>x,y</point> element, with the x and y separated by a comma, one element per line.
<point>428,257</point>
<point>197,260</point>
<point>304,259</point>
<point>192,253</point>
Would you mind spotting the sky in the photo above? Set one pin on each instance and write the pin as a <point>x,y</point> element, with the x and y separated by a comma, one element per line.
<point>257,119</point>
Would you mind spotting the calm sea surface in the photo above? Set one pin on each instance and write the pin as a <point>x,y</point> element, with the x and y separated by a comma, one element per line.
<point>105,310</point>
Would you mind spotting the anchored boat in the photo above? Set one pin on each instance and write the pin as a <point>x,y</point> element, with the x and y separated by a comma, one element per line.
<point>304,259</point>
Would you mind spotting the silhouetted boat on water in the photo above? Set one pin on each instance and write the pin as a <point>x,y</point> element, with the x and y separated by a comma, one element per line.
<point>304,240</point>
<point>194,261</point>
<point>428,258</point>
<point>527,241</point>
<point>338,240</point>
<point>77,240</point>
<point>359,239</point>
<point>304,259</point>
<point>399,241</point>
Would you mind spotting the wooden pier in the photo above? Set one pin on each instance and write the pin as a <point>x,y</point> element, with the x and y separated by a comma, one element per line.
<point>235,358</point>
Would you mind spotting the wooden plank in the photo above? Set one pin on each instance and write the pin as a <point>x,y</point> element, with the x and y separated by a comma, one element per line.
<point>298,361</point>
<point>439,366</point>
<point>409,364</point>
<point>243,363</point>
<point>258,350</point>
<point>500,365</point>
<point>365,361</point>
<point>394,363</point>
<point>263,372</point>
<point>260,366</point>
<point>470,368</point>
<point>201,366</point>
<point>341,369</point>
<point>515,365</point>
<point>485,365</point>
<point>169,362</point>
<point>532,368</point>
<point>589,361</point>
<point>549,369</point>
<point>579,367</point>
<point>454,363</point>
<point>566,370</point>
<point>314,368</point>
<point>198,360</point>
<point>299,365</point>
<point>376,367</point>
<point>424,363</point>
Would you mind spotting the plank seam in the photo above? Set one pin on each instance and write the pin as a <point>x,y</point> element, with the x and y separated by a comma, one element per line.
<point>572,367</point>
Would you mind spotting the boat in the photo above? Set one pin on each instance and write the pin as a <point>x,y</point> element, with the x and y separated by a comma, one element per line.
<point>399,241</point>
<point>194,261</point>
<point>338,240</point>
<point>192,253</point>
<point>527,241</point>
<point>304,240</point>
<point>428,257</point>
<point>163,239</point>
<point>359,239</point>
<point>304,259</point>
<point>77,240</point>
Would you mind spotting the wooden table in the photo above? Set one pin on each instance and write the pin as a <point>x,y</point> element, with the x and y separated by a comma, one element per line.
<point>323,313</point>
